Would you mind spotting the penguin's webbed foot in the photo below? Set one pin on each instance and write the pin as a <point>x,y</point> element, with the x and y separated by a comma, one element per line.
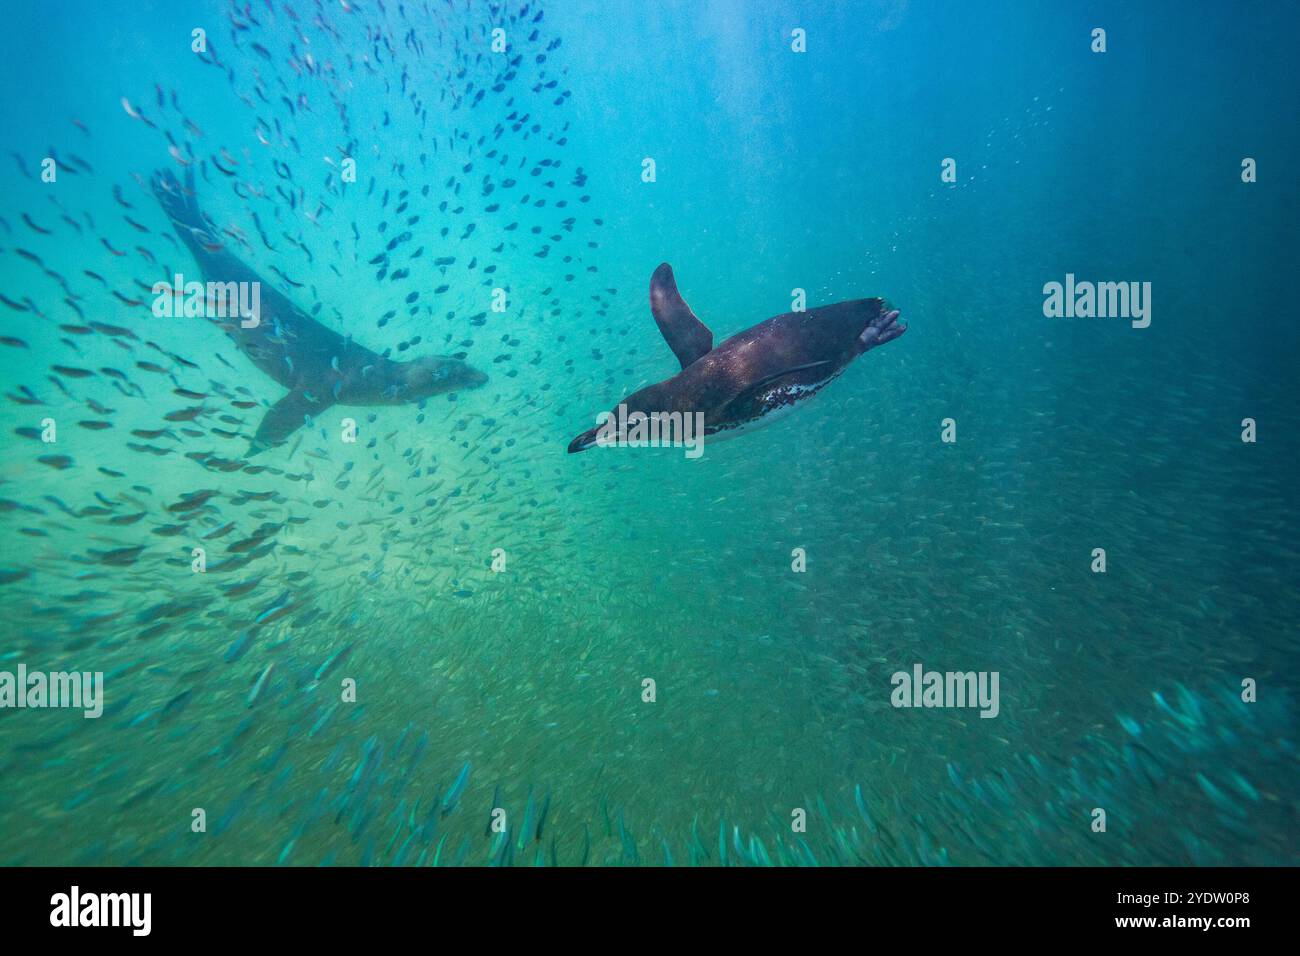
<point>883,328</point>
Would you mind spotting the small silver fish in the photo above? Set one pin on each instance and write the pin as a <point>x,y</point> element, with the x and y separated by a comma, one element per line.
<point>261,682</point>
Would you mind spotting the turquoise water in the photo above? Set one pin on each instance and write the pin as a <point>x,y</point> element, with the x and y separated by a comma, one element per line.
<point>366,570</point>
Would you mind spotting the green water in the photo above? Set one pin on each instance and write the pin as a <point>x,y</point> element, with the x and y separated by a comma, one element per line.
<point>771,736</point>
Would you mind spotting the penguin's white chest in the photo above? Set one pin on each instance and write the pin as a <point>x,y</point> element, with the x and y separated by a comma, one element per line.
<point>774,406</point>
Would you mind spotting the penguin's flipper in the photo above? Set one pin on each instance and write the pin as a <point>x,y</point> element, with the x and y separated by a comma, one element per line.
<point>687,336</point>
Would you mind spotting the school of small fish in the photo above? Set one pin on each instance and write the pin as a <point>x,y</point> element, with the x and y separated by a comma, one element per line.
<point>498,715</point>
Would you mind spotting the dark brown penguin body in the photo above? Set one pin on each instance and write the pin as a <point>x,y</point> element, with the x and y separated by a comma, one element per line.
<point>758,374</point>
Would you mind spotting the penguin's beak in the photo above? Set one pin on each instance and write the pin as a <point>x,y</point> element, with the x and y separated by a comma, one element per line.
<point>584,441</point>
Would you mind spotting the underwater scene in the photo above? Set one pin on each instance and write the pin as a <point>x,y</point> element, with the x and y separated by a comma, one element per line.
<point>680,433</point>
